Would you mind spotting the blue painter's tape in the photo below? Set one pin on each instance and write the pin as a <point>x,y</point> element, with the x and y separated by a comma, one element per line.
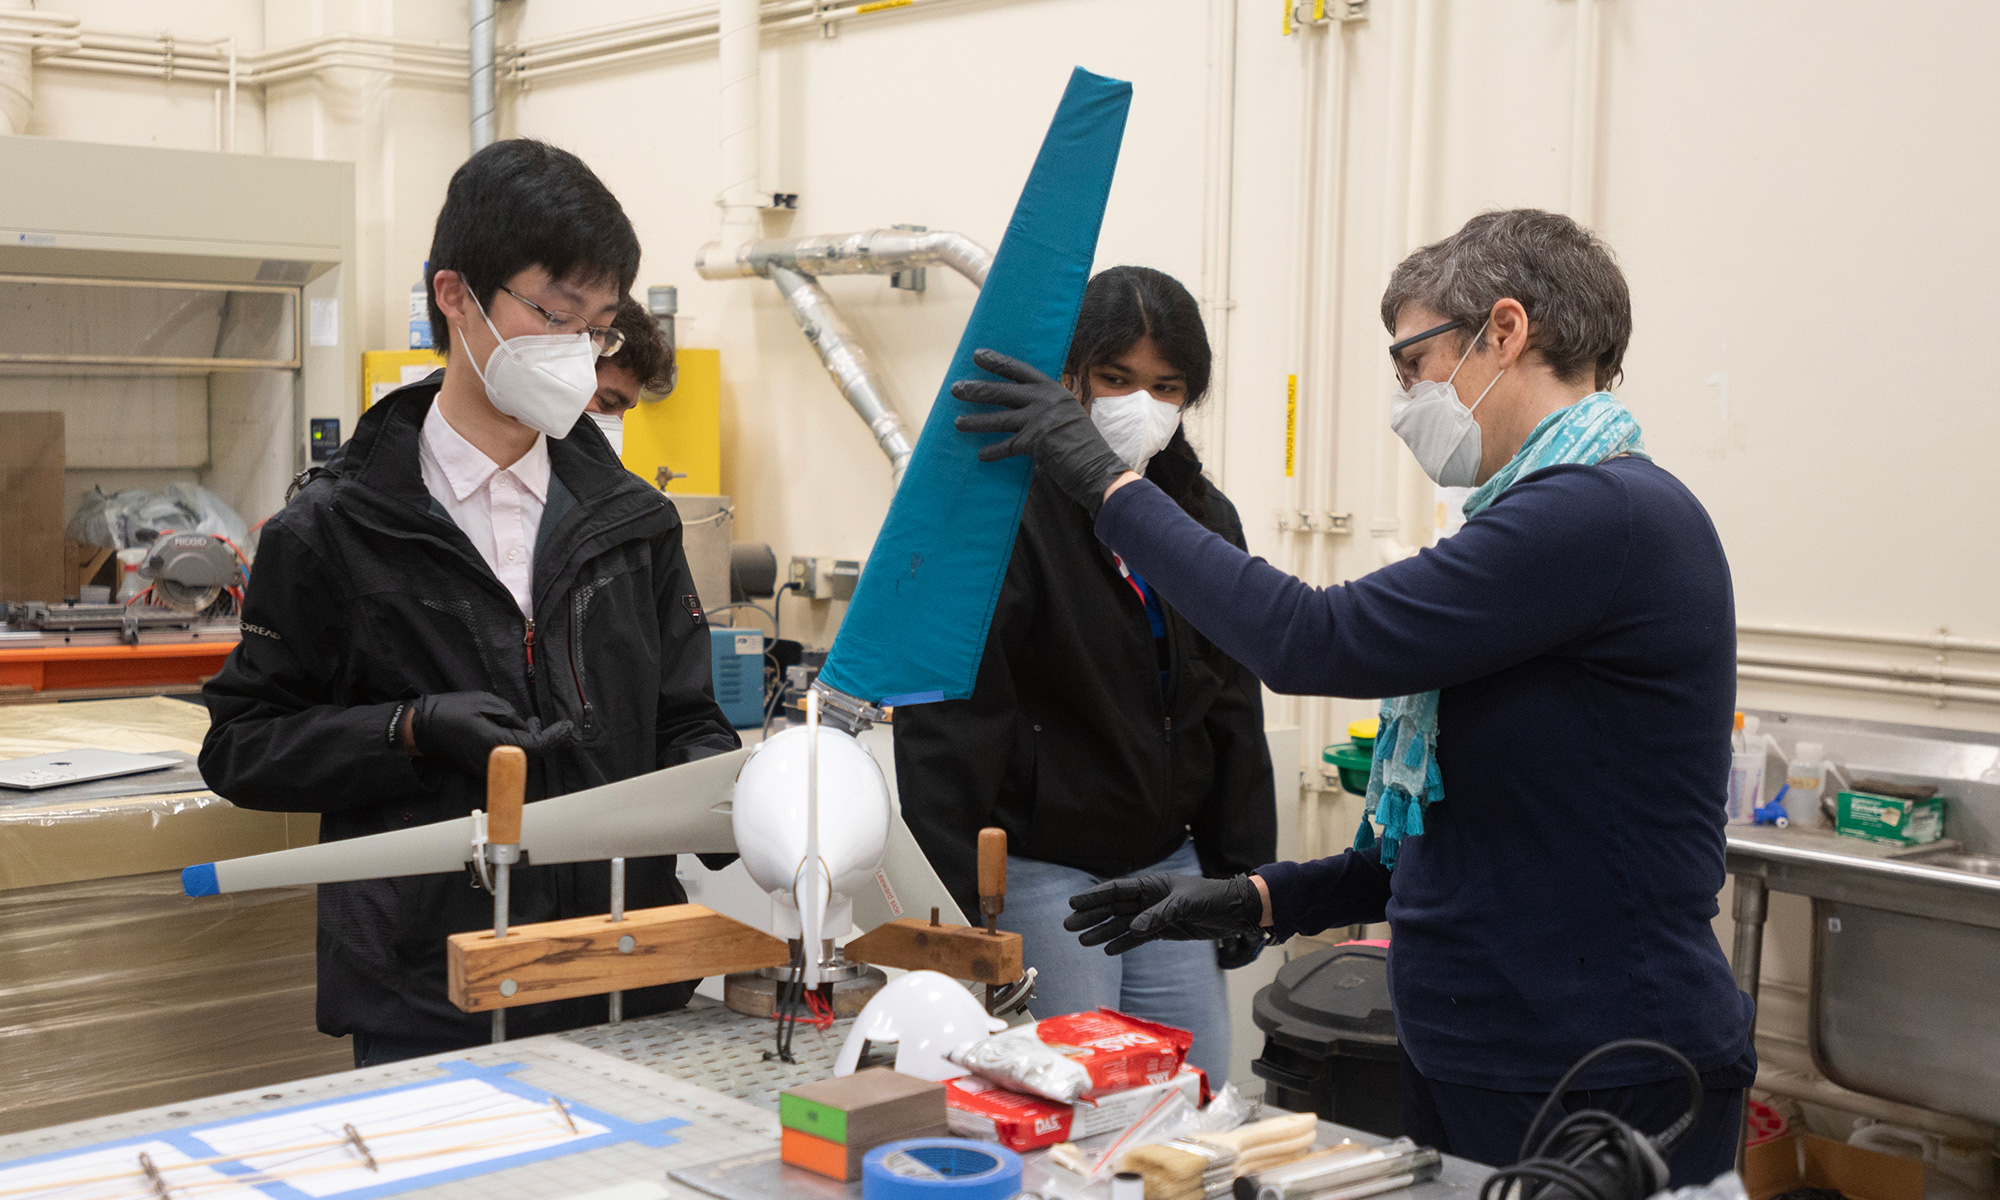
<point>917,625</point>
<point>199,880</point>
<point>913,698</point>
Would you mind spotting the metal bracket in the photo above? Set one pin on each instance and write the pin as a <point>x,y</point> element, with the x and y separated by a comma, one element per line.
<point>849,713</point>
<point>1328,12</point>
<point>788,201</point>
<point>909,279</point>
<point>1339,522</point>
<point>486,855</point>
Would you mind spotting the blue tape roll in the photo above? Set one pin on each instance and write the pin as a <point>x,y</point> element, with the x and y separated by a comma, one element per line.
<point>940,1169</point>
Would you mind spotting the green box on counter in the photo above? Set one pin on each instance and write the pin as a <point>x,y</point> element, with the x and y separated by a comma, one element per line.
<point>1889,819</point>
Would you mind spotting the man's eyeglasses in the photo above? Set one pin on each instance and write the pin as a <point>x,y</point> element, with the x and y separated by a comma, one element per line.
<point>1406,372</point>
<point>607,340</point>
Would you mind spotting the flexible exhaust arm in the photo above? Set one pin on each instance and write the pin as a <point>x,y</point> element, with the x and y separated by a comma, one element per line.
<point>843,359</point>
<point>869,252</point>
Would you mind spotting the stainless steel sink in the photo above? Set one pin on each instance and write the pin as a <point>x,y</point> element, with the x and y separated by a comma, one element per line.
<point>1952,860</point>
<point>1905,996</point>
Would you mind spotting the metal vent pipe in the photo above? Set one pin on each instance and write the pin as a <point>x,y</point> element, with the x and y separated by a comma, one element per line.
<point>869,252</point>
<point>844,360</point>
<point>481,82</point>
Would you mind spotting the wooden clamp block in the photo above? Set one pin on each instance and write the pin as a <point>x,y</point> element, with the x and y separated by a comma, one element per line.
<point>959,951</point>
<point>587,956</point>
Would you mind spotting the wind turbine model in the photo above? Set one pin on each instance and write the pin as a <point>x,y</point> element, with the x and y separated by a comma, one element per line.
<point>809,809</point>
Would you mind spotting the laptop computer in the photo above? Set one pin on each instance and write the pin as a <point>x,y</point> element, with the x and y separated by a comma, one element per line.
<point>39,771</point>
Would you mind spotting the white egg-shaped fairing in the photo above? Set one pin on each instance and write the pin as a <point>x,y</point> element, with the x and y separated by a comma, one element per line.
<point>769,819</point>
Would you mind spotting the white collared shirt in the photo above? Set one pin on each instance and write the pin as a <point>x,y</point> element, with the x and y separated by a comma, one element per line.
<point>498,508</point>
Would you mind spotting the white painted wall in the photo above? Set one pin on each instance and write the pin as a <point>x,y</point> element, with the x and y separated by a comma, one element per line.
<point>1799,192</point>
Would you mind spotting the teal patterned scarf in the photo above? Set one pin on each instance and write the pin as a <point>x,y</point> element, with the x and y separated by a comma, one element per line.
<point>1404,780</point>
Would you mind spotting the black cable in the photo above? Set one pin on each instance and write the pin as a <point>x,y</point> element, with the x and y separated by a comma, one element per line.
<point>1593,1155</point>
<point>785,1000</point>
<point>778,607</point>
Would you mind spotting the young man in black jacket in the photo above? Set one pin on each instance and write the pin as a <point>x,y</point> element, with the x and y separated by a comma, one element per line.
<point>473,569</point>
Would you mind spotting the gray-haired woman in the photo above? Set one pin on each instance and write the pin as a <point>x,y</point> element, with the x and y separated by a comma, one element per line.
<point>1549,776</point>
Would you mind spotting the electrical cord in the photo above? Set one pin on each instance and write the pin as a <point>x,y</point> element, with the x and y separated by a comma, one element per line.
<point>1591,1154</point>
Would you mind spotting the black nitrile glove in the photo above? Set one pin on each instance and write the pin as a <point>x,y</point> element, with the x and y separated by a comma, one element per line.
<point>1239,949</point>
<point>1182,908</point>
<point>1046,421</point>
<point>462,728</point>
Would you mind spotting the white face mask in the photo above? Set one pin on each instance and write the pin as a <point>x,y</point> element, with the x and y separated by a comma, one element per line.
<point>542,380</point>
<point>1438,429</point>
<point>613,428</point>
<point>1135,425</point>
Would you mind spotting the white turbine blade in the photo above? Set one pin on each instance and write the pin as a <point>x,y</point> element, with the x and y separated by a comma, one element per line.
<point>681,810</point>
<point>908,874</point>
<point>906,870</point>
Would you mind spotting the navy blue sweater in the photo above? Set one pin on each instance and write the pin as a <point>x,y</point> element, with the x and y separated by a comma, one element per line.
<point>1582,631</point>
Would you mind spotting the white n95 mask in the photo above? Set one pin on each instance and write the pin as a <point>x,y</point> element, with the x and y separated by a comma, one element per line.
<point>612,426</point>
<point>542,380</point>
<point>1135,425</point>
<point>1438,429</point>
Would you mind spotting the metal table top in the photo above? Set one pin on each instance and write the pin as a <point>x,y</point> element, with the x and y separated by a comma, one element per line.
<point>708,1045</point>
<point>1820,864</point>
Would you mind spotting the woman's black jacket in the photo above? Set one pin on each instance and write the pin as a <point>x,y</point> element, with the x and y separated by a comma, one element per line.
<point>1070,742</point>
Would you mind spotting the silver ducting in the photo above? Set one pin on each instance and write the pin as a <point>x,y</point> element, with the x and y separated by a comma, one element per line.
<point>482,82</point>
<point>844,361</point>
<point>792,263</point>
<point>869,252</point>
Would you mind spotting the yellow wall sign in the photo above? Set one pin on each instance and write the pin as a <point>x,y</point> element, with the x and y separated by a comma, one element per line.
<point>383,371</point>
<point>1291,422</point>
<point>683,431</point>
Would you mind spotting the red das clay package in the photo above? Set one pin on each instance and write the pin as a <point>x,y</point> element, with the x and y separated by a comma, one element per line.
<point>1082,1054</point>
<point>978,1109</point>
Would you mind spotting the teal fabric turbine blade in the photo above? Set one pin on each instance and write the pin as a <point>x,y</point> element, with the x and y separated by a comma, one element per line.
<point>916,627</point>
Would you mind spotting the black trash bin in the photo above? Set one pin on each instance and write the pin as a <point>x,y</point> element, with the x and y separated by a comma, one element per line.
<point>1330,1038</point>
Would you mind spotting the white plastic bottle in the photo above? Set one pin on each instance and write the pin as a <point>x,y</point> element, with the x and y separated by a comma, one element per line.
<point>1805,782</point>
<point>420,312</point>
<point>1746,772</point>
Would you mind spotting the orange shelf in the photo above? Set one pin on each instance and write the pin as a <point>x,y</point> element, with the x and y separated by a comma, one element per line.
<point>59,668</point>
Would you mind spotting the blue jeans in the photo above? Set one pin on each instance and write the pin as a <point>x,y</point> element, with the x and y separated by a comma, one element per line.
<point>1174,983</point>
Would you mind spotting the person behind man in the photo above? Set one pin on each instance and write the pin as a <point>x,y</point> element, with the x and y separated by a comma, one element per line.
<point>1550,773</point>
<point>1104,734</point>
<point>473,569</point>
<point>644,363</point>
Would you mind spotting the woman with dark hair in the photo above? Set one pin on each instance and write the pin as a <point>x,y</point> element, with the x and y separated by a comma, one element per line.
<point>1105,735</point>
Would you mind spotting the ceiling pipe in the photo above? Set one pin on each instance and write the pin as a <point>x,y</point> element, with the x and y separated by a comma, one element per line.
<point>740,48</point>
<point>19,34</point>
<point>482,82</point>
<point>1387,527</point>
<point>869,252</point>
<point>1584,104</point>
<point>844,360</point>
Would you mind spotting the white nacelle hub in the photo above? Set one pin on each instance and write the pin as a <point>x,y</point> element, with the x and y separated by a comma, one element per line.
<point>769,819</point>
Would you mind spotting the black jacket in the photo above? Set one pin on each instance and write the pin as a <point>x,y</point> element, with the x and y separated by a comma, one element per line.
<point>365,593</point>
<point>1069,742</point>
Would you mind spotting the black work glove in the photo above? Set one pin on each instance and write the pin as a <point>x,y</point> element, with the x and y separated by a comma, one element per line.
<point>1239,949</point>
<point>1182,908</point>
<point>462,728</point>
<point>1046,421</point>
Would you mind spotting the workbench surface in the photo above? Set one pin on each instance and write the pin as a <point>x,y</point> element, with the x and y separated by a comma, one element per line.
<point>701,1071</point>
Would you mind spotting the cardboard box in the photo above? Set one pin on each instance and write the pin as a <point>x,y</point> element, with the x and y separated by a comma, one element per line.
<point>979,1108</point>
<point>1890,819</point>
<point>1803,1160</point>
<point>31,507</point>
